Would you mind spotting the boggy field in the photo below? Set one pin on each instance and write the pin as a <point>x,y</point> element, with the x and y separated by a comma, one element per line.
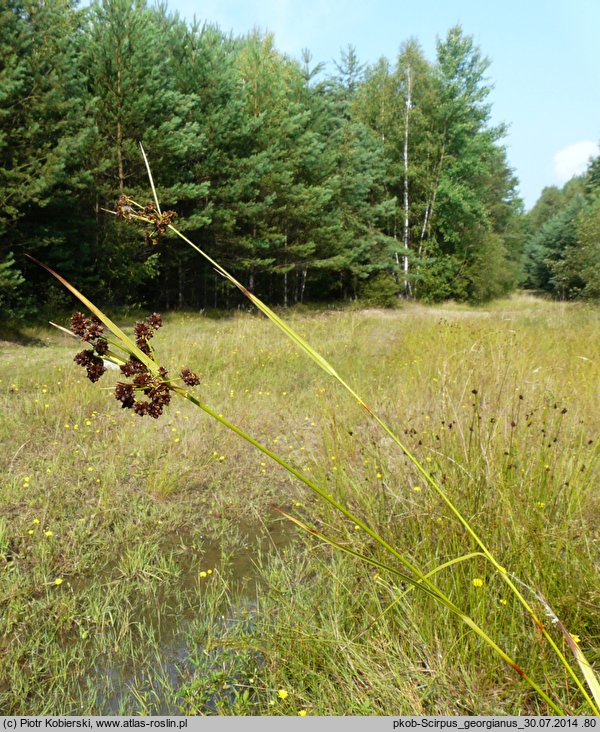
<point>145,566</point>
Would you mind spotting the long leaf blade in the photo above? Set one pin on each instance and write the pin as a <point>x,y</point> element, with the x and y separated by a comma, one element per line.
<point>130,346</point>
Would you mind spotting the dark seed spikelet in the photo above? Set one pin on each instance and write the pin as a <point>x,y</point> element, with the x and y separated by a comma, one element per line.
<point>95,330</point>
<point>144,330</point>
<point>132,367</point>
<point>124,393</point>
<point>124,208</point>
<point>96,370</point>
<point>143,381</point>
<point>92,363</point>
<point>83,358</point>
<point>88,329</point>
<point>101,346</point>
<point>78,323</point>
<point>141,408</point>
<point>189,377</point>
<point>155,320</point>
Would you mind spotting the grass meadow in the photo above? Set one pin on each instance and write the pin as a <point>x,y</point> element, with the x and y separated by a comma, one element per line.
<point>145,568</point>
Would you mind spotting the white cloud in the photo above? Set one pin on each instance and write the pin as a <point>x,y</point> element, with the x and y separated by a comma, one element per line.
<point>573,159</point>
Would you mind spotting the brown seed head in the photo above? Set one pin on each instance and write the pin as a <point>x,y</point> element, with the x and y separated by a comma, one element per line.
<point>142,381</point>
<point>93,365</point>
<point>101,346</point>
<point>155,320</point>
<point>141,408</point>
<point>124,393</point>
<point>124,208</point>
<point>78,324</point>
<point>133,366</point>
<point>189,377</point>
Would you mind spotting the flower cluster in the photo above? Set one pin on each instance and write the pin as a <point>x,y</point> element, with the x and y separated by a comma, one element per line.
<point>90,330</point>
<point>128,210</point>
<point>189,377</point>
<point>145,330</point>
<point>155,387</point>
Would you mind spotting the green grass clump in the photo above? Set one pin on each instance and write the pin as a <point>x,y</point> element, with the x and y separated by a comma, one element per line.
<point>500,405</point>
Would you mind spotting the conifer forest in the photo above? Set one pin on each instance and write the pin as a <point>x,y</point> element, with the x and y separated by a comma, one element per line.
<point>375,182</point>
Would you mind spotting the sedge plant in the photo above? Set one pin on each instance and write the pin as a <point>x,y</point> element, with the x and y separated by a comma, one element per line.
<point>137,361</point>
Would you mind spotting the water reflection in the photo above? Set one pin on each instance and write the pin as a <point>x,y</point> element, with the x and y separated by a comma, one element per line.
<point>167,620</point>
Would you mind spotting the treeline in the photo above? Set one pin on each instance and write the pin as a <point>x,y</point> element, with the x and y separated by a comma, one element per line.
<point>562,252</point>
<point>368,181</point>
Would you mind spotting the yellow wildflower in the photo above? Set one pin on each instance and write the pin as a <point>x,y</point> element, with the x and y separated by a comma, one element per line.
<point>477,582</point>
<point>282,694</point>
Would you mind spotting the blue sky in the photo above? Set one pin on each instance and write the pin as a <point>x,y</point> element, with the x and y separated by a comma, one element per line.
<point>545,60</point>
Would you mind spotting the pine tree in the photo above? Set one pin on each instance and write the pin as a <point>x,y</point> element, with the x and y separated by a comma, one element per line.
<point>129,65</point>
<point>463,231</point>
<point>550,231</point>
<point>43,133</point>
<point>564,252</point>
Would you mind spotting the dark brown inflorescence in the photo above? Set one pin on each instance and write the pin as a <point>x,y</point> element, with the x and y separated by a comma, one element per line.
<point>156,388</point>
<point>92,363</point>
<point>145,330</point>
<point>189,377</point>
<point>128,210</point>
<point>90,330</point>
